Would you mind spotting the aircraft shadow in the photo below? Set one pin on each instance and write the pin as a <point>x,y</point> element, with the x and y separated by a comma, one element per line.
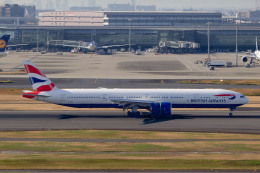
<point>62,117</point>
<point>149,120</point>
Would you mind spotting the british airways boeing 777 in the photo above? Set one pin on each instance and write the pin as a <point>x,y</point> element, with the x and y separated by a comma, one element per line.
<point>158,101</point>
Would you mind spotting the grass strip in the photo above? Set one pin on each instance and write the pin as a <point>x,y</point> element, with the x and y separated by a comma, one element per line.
<point>248,92</point>
<point>120,134</point>
<point>69,162</point>
<point>205,146</point>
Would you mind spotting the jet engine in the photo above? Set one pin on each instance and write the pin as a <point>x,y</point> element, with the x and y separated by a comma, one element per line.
<point>161,110</point>
<point>244,59</point>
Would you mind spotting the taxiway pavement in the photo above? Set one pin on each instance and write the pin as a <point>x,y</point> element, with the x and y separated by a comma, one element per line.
<point>124,65</point>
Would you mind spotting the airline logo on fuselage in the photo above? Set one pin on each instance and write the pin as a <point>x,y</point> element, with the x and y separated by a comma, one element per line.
<point>2,44</point>
<point>220,99</point>
<point>231,96</point>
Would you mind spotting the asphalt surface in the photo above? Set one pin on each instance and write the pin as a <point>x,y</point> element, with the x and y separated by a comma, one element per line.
<point>125,65</point>
<point>196,121</point>
<point>117,83</point>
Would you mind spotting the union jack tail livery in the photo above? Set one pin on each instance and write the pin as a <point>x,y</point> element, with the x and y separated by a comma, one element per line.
<point>39,81</point>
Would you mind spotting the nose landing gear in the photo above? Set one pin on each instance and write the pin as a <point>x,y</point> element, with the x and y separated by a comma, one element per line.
<point>231,112</point>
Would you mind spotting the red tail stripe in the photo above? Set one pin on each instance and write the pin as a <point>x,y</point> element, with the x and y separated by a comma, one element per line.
<point>32,69</point>
<point>46,87</point>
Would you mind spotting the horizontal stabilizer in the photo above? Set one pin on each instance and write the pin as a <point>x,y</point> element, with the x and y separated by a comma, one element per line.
<point>32,94</point>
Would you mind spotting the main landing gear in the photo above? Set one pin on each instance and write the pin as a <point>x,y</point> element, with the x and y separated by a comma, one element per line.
<point>133,114</point>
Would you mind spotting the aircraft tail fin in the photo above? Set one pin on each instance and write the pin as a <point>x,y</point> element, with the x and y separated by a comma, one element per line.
<point>39,81</point>
<point>3,42</point>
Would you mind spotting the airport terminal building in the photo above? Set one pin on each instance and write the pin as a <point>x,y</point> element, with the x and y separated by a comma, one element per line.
<point>145,29</point>
<point>87,18</point>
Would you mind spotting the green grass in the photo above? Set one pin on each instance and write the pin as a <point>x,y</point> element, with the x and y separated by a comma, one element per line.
<point>142,147</point>
<point>129,155</point>
<point>205,146</point>
<point>68,162</point>
<point>114,134</point>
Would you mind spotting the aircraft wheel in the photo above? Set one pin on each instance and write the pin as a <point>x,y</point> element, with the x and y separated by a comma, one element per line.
<point>137,114</point>
<point>129,114</point>
<point>230,114</point>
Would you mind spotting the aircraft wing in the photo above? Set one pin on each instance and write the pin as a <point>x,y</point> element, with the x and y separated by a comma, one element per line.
<point>113,46</point>
<point>129,103</point>
<point>16,45</point>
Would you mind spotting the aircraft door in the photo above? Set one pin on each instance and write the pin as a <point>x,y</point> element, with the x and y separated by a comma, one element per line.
<point>63,98</point>
<point>104,97</point>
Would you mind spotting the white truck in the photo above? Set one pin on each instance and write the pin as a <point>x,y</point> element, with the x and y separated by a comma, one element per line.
<point>216,63</point>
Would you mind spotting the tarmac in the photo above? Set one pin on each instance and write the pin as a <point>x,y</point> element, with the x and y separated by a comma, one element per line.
<point>182,121</point>
<point>125,65</point>
<point>21,83</point>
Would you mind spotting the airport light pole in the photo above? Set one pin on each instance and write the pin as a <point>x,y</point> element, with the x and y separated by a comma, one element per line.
<point>37,37</point>
<point>236,45</point>
<point>48,41</point>
<point>208,42</point>
<point>130,23</point>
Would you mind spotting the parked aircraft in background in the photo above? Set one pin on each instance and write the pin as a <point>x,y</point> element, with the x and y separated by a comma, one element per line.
<point>92,46</point>
<point>158,101</point>
<point>255,55</point>
<point>85,46</point>
<point>3,44</point>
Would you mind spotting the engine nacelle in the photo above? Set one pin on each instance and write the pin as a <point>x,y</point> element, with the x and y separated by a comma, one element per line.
<point>161,110</point>
<point>244,59</point>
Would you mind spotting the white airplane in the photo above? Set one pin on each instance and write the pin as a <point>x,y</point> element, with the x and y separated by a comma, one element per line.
<point>158,101</point>
<point>255,55</point>
<point>92,46</point>
<point>3,43</point>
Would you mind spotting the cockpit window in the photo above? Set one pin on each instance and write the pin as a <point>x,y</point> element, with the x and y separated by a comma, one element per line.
<point>242,97</point>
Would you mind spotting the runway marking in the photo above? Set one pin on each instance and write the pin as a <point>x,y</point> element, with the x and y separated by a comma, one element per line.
<point>184,64</point>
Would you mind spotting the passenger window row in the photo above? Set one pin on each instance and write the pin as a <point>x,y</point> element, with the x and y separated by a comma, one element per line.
<point>84,97</point>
